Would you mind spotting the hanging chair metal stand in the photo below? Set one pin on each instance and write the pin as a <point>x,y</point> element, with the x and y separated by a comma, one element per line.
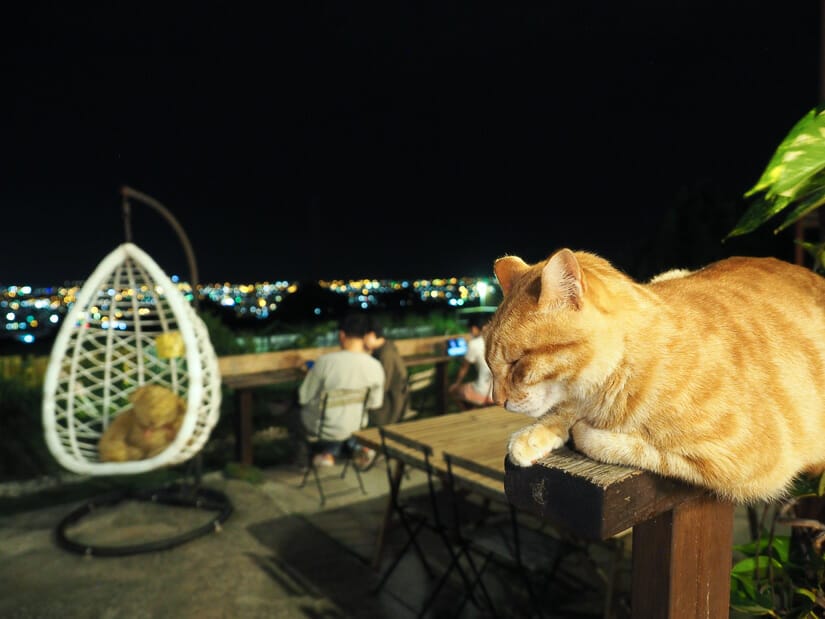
<point>73,425</point>
<point>178,494</point>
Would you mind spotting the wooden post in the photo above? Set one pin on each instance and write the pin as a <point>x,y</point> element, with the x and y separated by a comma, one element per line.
<point>682,561</point>
<point>442,386</point>
<point>243,428</point>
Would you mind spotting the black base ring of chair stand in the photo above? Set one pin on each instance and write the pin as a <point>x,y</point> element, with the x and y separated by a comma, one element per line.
<point>176,495</point>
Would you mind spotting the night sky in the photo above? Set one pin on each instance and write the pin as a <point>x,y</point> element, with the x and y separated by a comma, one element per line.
<point>316,140</point>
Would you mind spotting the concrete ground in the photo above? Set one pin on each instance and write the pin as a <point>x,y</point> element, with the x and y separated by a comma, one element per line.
<point>279,555</point>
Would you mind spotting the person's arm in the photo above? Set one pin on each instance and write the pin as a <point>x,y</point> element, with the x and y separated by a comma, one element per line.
<point>310,387</point>
<point>376,395</point>
<point>462,372</point>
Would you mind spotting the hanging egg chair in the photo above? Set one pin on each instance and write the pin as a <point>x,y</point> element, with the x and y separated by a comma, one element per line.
<point>131,327</point>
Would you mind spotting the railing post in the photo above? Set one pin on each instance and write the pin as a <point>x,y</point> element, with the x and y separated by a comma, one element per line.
<point>682,561</point>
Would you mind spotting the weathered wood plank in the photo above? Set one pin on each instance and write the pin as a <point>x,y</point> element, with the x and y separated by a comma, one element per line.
<point>594,500</point>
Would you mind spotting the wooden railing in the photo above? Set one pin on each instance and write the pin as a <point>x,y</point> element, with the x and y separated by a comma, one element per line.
<point>232,367</point>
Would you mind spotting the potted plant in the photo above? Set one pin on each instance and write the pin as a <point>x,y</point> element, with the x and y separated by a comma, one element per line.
<point>783,575</point>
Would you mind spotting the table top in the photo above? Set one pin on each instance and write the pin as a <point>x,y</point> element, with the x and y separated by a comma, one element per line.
<point>479,436</point>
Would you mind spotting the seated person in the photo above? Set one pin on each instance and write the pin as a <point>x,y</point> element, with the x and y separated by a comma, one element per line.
<point>479,391</point>
<point>352,367</point>
<point>397,385</point>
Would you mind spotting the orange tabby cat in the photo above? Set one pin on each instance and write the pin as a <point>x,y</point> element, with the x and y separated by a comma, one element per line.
<point>715,377</point>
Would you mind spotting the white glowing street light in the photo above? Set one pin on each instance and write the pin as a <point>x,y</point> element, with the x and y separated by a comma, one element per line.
<point>481,289</point>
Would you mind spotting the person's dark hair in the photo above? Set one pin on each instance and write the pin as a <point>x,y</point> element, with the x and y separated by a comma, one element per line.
<point>376,326</point>
<point>478,320</point>
<point>355,325</point>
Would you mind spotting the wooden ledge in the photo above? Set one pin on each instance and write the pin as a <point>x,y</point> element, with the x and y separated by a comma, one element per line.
<point>594,500</point>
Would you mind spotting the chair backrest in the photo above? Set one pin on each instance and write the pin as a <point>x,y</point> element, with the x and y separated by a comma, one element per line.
<point>336,404</point>
<point>392,441</point>
<point>421,379</point>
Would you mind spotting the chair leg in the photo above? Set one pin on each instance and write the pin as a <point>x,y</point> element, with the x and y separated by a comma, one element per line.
<point>610,584</point>
<point>360,480</point>
<point>523,572</point>
<point>479,573</point>
<point>320,488</point>
<point>311,468</point>
<point>441,581</point>
<point>306,475</point>
<point>391,568</point>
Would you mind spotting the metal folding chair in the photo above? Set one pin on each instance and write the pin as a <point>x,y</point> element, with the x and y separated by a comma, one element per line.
<point>433,519</point>
<point>534,555</point>
<point>335,401</point>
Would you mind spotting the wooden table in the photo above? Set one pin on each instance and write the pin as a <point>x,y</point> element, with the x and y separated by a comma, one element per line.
<point>480,434</point>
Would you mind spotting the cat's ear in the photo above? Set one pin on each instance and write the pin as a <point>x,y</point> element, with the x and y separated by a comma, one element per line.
<point>507,269</point>
<point>561,281</point>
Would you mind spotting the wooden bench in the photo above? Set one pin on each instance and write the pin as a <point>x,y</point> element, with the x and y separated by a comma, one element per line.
<point>682,535</point>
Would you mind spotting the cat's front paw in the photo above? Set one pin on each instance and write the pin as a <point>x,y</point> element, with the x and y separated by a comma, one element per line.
<point>531,443</point>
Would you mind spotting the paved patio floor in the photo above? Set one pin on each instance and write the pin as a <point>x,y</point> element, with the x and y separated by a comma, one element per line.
<point>279,555</point>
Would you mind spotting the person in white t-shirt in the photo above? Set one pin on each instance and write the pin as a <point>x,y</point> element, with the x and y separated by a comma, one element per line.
<point>477,392</point>
<point>352,367</point>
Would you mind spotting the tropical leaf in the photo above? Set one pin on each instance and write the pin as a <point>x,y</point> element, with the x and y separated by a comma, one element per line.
<point>806,485</point>
<point>794,173</point>
<point>812,199</point>
<point>800,155</point>
<point>780,544</point>
<point>760,211</point>
<point>745,598</point>
<point>815,251</point>
<point>758,565</point>
<point>773,169</point>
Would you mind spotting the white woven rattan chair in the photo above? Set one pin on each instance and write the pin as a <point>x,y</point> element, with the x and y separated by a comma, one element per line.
<point>131,326</point>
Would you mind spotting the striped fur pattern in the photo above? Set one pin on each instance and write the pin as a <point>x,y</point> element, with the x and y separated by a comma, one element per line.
<point>715,377</point>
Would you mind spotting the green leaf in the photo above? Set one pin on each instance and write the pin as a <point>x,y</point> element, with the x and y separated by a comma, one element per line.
<point>760,211</point>
<point>780,544</point>
<point>798,157</point>
<point>805,485</point>
<point>749,602</point>
<point>813,199</point>
<point>745,584</point>
<point>793,175</point>
<point>772,170</point>
<point>759,564</point>
<point>750,608</point>
<point>808,593</point>
<point>820,490</point>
